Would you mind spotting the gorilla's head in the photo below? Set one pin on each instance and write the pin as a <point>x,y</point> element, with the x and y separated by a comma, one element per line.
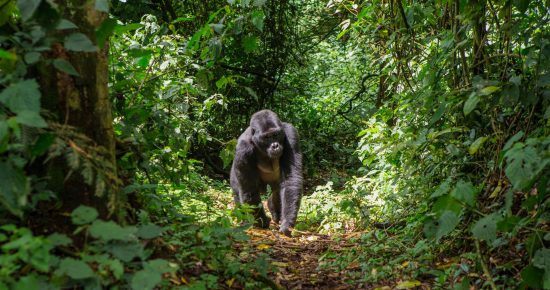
<point>267,133</point>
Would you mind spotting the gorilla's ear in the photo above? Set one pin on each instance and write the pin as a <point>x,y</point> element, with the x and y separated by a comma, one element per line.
<point>253,131</point>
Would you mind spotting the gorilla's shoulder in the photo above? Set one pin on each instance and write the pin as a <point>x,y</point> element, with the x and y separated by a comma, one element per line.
<point>291,132</point>
<point>244,143</point>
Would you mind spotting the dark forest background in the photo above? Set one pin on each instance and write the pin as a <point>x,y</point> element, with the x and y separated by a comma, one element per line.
<point>424,127</point>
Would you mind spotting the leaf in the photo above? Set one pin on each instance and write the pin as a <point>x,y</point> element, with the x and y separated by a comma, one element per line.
<point>4,130</point>
<point>42,144</point>
<point>32,57</point>
<point>14,188</point>
<point>259,3</point>
<point>109,230</point>
<point>105,31</point>
<point>65,66</point>
<point>7,55</point>
<point>446,203</point>
<point>521,5</point>
<point>532,276</point>
<point>149,231</point>
<point>31,119</point>
<point>161,266</point>
<point>485,229</point>
<point>465,192</point>
<point>408,284</point>
<point>121,29</point>
<point>22,96</point>
<point>513,140</point>
<point>488,90</point>
<point>27,8</point>
<point>84,215</point>
<point>442,189</point>
<point>102,5</point>
<point>279,264</point>
<point>116,268</point>
<point>145,279</point>
<point>125,251</point>
<point>447,223</point>
<point>250,43</point>
<point>541,260</point>
<point>471,103</point>
<point>474,147</point>
<point>30,282</point>
<point>75,269</point>
<point>79,42</point>
<point>57,239</point>
<point>523,165</point>
<point>258,20</point>
<point>262,247</point>
<point>65,24</point>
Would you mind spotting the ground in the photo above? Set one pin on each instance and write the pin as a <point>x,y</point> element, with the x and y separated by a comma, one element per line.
<point>298,261</point>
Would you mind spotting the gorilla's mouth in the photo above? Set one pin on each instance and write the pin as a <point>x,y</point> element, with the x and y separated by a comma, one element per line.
<point>274,153</point>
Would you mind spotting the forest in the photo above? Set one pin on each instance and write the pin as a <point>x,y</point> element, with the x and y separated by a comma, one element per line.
<point>421,158</point>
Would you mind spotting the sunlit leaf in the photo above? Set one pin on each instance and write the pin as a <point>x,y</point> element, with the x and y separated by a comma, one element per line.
<point>474,147</point>
<point>408,284</point>
<point>7,55</point>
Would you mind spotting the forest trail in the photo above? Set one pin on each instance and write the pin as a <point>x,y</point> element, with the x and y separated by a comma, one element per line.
<point>297,258</point>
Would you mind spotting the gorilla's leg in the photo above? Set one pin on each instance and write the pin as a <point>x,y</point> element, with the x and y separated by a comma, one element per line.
<point>253,198</point>
<point>274,203</point>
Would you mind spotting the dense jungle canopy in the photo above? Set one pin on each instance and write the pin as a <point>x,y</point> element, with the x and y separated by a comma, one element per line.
<point>424,128</point>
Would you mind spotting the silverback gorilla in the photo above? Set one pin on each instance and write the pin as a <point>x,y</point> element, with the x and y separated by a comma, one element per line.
<point>268,153</point>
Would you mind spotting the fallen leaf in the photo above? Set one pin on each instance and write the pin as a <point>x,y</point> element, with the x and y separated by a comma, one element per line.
<point>262,247</point>
<point>279,264</point>
<point>408,284</point>
<point>312,238</point>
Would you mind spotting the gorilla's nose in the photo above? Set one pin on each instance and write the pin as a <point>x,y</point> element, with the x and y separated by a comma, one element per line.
<point>275,146</point>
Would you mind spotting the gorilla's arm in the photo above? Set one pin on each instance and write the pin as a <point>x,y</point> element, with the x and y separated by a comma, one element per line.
<point>246,175</point>
<point>291,185</point>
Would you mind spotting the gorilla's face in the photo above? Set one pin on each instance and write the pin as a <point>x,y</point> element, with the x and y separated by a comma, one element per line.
<point>267,134</point>
<point>270,143</point>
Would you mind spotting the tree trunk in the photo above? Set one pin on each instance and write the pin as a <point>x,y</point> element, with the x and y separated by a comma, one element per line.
<point>85,123</point>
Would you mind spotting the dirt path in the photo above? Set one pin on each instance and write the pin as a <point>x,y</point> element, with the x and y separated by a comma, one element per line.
<point>297,259</point>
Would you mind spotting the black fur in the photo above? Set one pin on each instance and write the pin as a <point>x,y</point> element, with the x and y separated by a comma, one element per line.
<point>255,166</point>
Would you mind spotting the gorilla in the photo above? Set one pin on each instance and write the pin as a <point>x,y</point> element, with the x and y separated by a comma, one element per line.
<point>268,153</point>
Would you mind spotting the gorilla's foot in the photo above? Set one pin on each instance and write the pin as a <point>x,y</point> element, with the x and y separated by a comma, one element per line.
<point>285,229</point>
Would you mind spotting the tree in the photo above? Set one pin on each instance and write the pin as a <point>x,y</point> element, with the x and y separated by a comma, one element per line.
<point>69,64</point>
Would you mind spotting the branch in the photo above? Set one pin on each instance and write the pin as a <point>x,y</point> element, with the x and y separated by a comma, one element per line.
<point>402,11</point>
<point>244,70</point>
